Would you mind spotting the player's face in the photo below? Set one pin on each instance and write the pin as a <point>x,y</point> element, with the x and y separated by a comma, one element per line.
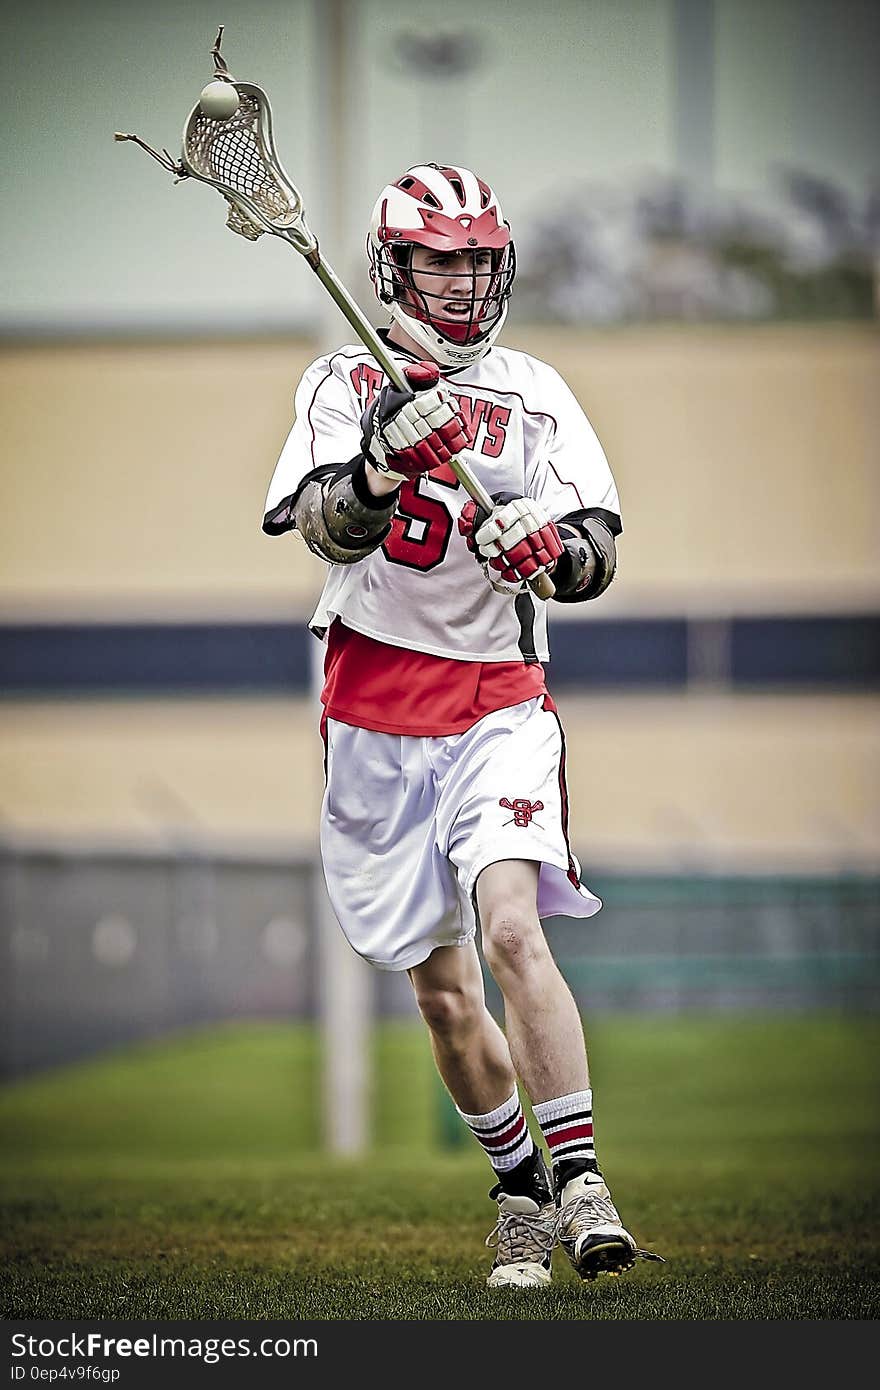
<point>452,282</point>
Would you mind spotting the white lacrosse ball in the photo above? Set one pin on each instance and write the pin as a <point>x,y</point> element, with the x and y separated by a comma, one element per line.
<point>219,100</point>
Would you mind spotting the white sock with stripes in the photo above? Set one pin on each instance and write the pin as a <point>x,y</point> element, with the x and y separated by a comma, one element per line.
<point>567,1126</point>
<point>503,1133</point>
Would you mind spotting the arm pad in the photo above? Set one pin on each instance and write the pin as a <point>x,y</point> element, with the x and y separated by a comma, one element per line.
<point>588,563</point>
<point>335,513</point>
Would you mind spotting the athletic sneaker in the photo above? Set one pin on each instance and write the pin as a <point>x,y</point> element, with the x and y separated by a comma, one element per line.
<point>525,1233</point>
<point>590,1230</point>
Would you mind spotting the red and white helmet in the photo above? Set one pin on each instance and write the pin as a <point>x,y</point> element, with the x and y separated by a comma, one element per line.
<point>445,209</point>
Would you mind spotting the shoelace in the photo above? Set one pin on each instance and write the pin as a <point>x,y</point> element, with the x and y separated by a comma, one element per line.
<point>520,1237</point>
<point>591,1208</point>
<point>595,1209</point>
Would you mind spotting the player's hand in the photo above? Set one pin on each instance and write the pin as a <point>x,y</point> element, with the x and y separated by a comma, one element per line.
<point>405,435</point>
<point>515,541</point>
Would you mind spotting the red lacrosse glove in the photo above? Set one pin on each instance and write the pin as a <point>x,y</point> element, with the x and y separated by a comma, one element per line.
<point>405,435</point>
<point>514,542</point>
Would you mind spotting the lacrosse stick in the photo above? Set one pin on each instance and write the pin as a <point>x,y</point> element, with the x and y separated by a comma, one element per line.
<point>237,156</point>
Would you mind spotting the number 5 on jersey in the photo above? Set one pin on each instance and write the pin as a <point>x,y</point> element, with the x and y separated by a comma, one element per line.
<point>421,526</point>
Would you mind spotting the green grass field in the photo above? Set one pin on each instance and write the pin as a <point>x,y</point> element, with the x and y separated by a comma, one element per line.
<point>184,1179</point>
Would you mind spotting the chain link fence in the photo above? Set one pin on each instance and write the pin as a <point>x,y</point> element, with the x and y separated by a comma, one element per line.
<point>105,947</point>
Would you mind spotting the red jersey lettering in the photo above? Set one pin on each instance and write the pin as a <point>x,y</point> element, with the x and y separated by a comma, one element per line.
<point>496,431</point>
<point>473,412</point>
<point>366,381</point>
<point>420,528</point>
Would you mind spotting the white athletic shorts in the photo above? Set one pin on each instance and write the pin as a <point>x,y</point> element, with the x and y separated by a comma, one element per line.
<point>408,824</point>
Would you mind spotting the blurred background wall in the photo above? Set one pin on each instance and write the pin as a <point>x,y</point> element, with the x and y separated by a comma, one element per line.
<point>695,195</point>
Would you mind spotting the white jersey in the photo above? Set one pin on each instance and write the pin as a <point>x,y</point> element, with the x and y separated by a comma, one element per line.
<point>422,588</point>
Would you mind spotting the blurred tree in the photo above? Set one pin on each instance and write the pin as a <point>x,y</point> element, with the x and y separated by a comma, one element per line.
<point>664,251</point>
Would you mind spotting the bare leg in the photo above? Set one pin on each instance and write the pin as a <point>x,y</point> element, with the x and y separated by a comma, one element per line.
<point>469,1048</point>
<point>544,1030</point>
<point>547,1045</point>
<point>473,1059</point>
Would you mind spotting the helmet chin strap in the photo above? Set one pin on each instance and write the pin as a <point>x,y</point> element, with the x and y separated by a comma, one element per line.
<point>440,349</point>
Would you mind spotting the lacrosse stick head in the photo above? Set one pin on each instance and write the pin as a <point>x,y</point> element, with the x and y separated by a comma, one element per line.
<point>237,156</point>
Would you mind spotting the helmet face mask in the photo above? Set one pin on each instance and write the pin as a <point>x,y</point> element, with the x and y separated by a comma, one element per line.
<point>419,291</point>
<point>455,221</point>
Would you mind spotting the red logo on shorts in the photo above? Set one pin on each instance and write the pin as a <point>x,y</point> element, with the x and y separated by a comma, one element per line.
<point>523,809</point>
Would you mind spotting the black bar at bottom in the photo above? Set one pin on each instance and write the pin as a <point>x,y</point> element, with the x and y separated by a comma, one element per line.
<point>136,1354</point>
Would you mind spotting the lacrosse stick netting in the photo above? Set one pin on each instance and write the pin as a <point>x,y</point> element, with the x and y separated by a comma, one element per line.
<point>237,156</point>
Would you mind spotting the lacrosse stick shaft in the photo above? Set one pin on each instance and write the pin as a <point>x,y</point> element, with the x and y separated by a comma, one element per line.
<point>542,584</point>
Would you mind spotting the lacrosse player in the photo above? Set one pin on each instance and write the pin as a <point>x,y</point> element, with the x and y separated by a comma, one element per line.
<point>445,800</point>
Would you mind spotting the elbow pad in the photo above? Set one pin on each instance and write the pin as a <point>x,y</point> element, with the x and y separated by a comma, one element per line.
<point>336,514</point>
<point>589,561</point>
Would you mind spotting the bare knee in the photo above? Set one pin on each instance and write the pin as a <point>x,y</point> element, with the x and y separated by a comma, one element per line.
<point>512,940</point>
<point>449,1011</point>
